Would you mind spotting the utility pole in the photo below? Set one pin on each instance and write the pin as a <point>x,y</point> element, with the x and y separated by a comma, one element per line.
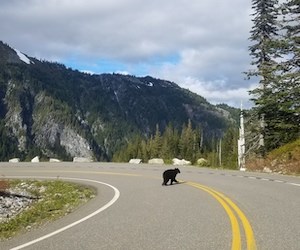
<point>261,135</point>
<point>241,143</point>
<point>220,153</point>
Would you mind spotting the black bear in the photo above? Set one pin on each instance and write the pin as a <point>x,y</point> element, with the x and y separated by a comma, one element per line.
<point>170,174</point>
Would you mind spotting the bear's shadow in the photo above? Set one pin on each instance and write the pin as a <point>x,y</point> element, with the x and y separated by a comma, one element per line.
<point>175,183</point>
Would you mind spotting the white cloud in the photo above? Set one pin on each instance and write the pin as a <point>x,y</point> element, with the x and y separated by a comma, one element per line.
<point>122,72</point>
<point>212,74</point>
<point>207,38</point>
<point>233,97</point>
<point>88,72</point>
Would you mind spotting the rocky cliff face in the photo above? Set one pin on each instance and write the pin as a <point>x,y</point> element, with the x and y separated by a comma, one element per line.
<point>36,122</point>
<point>53,111</point>
<point>13,118</point>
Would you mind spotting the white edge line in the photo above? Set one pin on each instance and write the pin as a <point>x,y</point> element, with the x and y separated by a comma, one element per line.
<point>107,205</point>
<point>294,184</point>
<point>279,181</point>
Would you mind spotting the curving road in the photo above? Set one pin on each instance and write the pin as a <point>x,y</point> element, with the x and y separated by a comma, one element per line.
<point>210,209</point>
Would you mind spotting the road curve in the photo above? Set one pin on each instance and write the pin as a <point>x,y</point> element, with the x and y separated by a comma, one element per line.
<point>211,209</point>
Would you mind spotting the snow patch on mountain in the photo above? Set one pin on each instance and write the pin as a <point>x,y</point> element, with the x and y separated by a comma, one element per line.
<point>22,57</point>
<point>116,94</point>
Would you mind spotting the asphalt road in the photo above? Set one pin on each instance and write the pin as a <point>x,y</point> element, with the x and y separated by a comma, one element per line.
<point>209,209</point>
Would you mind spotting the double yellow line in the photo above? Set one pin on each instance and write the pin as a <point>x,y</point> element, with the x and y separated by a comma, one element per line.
<point>229,206</point>
<point>232,209</point>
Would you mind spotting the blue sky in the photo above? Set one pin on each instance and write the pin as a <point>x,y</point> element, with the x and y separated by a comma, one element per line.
<point>99,66</point>
<point>200,45</point>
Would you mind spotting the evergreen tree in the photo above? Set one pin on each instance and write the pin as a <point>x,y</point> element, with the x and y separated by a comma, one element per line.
<point>187,143</point>
<point>263,35</point>
<point>144,151</point>
<point>264,52</point>
<point>229,148</point>
<point>156,144</point>
<point>290,78</point>
<point>281,99</point>
<point>212,155</point>
<point>170,140</point>
<point>291,20</point>
<point>151,148</point>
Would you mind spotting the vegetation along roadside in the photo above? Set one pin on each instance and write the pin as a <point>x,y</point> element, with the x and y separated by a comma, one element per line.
<point>37,202</point>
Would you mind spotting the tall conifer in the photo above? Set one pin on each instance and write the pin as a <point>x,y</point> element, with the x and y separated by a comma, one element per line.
<point>290,89</point>
<point>264,52</point>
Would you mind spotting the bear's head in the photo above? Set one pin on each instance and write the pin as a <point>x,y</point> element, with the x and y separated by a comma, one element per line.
<point>177,170</point>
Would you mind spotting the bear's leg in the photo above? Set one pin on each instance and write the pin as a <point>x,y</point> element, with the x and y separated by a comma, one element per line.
<point>173,180</point>
<point>165,182</point>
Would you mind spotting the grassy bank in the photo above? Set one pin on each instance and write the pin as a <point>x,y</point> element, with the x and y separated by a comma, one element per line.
<point>51,200</point>
<point>285,160</point>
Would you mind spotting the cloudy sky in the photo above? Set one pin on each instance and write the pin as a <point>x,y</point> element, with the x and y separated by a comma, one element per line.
<point>201,45</point>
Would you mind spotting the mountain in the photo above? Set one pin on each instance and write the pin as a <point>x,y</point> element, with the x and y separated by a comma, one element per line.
<point>50,110</point>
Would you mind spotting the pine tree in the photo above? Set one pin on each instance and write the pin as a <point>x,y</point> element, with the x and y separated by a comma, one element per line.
<point>264,52</point>
<point>291,20</point>
<point>282,98</point>
<point>263,34</point>
<point>212,155</point>
<point>144,151</point>
<point>290,78</point>
<point>229,148</point>
<point>156,143</point>
<point>170,141</point>
<point>186,143</point>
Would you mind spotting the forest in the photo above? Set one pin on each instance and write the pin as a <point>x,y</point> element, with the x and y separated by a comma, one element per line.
<point>188,144</point>
<point>275,52</point>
